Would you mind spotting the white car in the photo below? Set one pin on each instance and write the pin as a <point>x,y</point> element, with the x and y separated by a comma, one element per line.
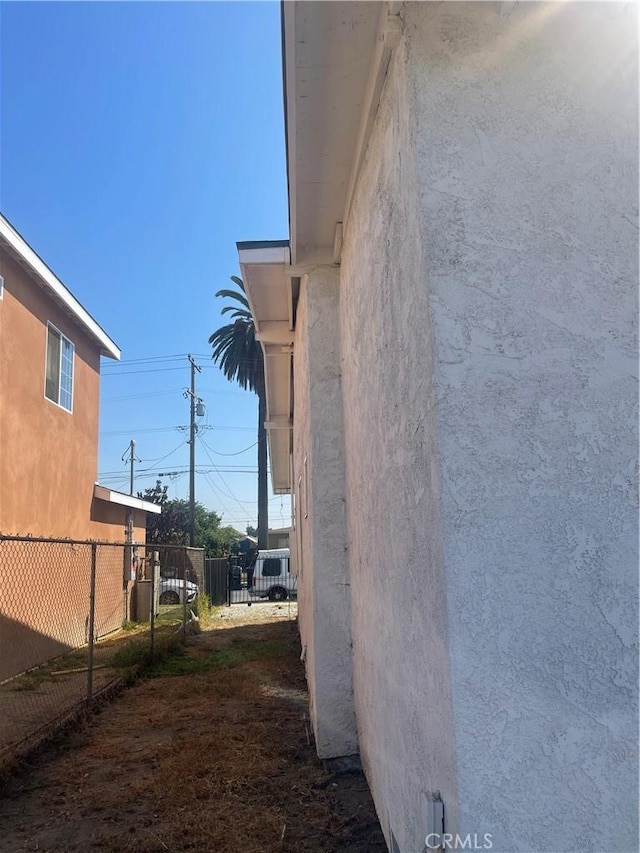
<point>172,591</point>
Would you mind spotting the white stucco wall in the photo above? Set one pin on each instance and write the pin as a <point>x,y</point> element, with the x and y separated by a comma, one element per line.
<point>323,575</point>
<point>491,489</point>
<point>528,152</point>
<point>401,679</point>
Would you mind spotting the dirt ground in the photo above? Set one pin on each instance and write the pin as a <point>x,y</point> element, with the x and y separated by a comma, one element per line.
<point>210,752</point>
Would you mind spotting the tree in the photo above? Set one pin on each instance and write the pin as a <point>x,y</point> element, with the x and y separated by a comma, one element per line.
<point>171,527</point>
<point>238,353</point>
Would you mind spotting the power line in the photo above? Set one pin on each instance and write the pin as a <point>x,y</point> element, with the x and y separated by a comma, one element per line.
<point>115,372</point>
<point>111,433</point>
<point>230,493</point>
<point>238,453</point>
<point>131,372</point>
<point>140,396</point>
<point>171,452</point>
<point>141,431</point>
<point>217,491</point>
<point>152,358</point>
<point>181,469</point>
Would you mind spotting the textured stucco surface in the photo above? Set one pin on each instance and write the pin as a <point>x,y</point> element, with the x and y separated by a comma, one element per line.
<point>401,679</point>
<point>527,145</point>
<point>323,578</point>
<point>489,356</point>
<point>48,456</point>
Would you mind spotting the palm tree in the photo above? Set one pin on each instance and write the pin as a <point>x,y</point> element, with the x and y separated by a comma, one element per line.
<point>238,353</point>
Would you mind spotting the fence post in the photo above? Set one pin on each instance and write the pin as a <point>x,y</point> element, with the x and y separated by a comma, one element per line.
<point>184,595</point>
<point>92,621</point>
<point>229,579</point>
<point>152,617</point>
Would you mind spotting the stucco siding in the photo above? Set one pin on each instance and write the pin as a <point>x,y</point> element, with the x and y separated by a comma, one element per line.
<point>401,669</point>
<point>489,355</point>
<point>324,593</point>
<point>48,456</point>
<point>48,459</point>
<point>301,443</point>
<point>527,150</point>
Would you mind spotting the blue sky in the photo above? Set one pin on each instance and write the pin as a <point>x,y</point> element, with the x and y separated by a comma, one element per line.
<point>139,142</point>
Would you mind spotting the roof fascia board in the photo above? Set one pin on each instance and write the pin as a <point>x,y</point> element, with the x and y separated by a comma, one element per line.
<point>108,495</point>
<point>264,255</point>
<point>53,283</point>
<point>289,61</point>
<point>262,244</point>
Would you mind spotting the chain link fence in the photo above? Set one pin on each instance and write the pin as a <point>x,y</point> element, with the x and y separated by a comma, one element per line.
<point>76,618</point>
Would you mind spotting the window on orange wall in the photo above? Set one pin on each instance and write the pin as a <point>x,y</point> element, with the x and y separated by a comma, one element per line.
<point>58,386</point>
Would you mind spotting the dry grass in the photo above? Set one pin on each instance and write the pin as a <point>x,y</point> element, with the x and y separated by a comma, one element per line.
<point>214,759</point>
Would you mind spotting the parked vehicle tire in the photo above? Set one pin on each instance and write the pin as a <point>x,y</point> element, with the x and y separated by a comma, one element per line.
<point>169,597</point>
<point>278,593</point>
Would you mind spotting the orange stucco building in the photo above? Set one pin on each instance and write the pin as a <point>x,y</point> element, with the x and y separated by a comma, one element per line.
<point>50,350</point>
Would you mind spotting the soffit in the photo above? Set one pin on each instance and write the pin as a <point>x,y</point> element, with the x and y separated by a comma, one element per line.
<point>328,48</point>
<point>264,268</point>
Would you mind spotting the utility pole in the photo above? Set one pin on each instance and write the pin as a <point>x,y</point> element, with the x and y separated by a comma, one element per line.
<point>131,460</point>
<point>132,564</point>
<point>192,452</point>
<point>132,449</point>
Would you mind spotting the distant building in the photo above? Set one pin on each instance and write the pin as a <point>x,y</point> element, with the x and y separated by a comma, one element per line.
<point>278,538</point>
<point>244,545</point>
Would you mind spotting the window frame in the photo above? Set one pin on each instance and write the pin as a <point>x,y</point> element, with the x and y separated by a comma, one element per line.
<point>63,339</point>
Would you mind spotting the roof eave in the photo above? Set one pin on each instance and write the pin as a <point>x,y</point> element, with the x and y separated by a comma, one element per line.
<point>264,266</point>
<point>57,289</point>
<point>102,493</point>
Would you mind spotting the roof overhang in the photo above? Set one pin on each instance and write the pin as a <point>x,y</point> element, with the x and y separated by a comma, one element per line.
<point>18,247</point>
<point>335,58</point>
<point>264,267</point>
<point>101,493</point>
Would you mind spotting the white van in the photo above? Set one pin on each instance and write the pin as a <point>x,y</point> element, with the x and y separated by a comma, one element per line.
<point>271,576</point>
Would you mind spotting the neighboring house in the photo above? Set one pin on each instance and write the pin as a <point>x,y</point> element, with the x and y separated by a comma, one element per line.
<point>244,545</point>
<point>278,538</point>
<point>50,350</point>
<point>451,368</point>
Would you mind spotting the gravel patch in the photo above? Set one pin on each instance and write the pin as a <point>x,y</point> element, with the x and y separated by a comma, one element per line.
<point>259,611</point>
